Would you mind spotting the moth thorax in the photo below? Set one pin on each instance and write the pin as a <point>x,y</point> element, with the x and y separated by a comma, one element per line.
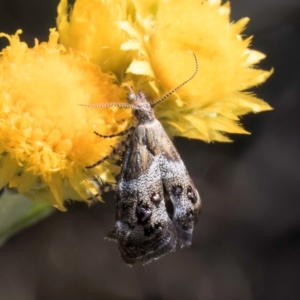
<point>143,115</point>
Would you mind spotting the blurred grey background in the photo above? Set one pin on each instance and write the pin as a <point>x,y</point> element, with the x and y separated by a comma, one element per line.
<point>246,244</point>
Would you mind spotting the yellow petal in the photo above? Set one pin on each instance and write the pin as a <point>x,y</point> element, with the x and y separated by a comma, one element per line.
<point>91,26</point>
<point>140,68</point>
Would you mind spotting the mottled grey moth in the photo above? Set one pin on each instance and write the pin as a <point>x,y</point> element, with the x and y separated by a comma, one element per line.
<point>157,203</point>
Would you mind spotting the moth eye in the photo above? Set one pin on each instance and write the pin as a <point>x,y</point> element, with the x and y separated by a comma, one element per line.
<point>155,197</point>
<point>177,190</point>
<point>153,229</point>
<point>143,212</point>
<point>191,195</point>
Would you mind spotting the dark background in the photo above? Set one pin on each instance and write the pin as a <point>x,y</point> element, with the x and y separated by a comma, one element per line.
<point>246,244</point>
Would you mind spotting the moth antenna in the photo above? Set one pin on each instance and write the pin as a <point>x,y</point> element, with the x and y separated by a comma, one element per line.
<point>179,86</point>
<point>124,105</point>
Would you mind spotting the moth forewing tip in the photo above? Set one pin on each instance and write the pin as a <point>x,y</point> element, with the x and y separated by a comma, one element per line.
<point>185,237</point>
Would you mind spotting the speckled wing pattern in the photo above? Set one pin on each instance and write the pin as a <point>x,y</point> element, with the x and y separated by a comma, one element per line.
<point>180,190</point>
<point>157,203</point>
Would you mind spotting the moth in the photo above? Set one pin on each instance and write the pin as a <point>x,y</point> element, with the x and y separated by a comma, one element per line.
<point>157,203</point>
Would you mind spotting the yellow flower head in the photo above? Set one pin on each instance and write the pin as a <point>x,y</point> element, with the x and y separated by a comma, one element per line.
<point>210,105</point>
<point>160,35</point>
<point>91,26</point>
<point>47,138</point>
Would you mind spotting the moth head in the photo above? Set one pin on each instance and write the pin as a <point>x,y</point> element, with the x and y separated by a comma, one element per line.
<point>142,109</point>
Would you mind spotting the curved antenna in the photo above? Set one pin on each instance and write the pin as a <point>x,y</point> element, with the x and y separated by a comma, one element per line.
<point>110,105</point>
<point>181,85</point>
<point>123,105</point>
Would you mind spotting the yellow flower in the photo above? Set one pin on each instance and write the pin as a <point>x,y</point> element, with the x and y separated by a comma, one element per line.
<point>160,35</point>
<point>91,26</point>
<point>210,105</point>
<point>47,138</point>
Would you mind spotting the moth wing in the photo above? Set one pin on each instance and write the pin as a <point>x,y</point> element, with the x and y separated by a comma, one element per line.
<point>143,228</point>
<point>180,190</point>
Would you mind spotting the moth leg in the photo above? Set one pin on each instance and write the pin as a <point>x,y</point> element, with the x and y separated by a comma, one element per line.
<point>102,187</point>
<point>114,135</point>
<point>119,147</point>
